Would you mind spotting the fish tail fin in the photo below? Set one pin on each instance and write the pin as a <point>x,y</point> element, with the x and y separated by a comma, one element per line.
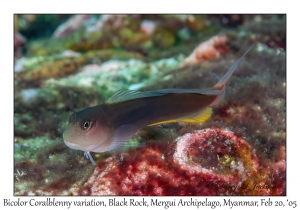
<point>223,81</point>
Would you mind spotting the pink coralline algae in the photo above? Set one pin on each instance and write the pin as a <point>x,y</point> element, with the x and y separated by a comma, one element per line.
<point>205,162</point>
<point>209,147</point>
<point>207,50</point>
<point>112,21</point>
<point>148,27</point>
<point>19,42</point>
<point>69,27</point>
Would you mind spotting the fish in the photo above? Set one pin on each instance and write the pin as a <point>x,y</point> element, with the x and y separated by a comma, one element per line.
<point>108,126</point>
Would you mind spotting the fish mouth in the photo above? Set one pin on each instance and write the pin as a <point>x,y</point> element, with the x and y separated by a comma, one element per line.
<point>82,148</point>
<point>77,140</point>
<point>85,148</point>
<point>72,146</point>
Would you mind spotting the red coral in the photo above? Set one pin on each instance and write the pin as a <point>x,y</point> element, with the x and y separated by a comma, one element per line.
<point>206,162</point>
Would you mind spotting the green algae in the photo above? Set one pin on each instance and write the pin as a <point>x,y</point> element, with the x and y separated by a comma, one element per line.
<point>169,32</point>
<point>29,147</point>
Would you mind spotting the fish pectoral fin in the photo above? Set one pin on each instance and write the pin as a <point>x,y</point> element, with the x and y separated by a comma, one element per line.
<point>198,117</point>
<point>122,135</point>
<point>89,156</point>
<point>216,76</point>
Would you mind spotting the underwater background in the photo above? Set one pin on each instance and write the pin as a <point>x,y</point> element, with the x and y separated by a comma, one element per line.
<point>65,63</point>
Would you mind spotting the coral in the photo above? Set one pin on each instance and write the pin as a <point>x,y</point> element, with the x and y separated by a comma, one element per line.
<point>34,26</point>
<point>57,68</point>
<point>240,150</point>
<point>231,20</point>
<point>148,27</point>
<point>206,162</point>
<point>44,173</point>
<point>207,50</point>
<point>29,70</point>
<point>221,150</point>
<point>139,33</point>
<point>270,31</point>
<point>108,22</point>
<point>70,26</point>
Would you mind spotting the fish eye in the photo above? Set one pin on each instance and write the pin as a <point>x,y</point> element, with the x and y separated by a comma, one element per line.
<point>86,124</point>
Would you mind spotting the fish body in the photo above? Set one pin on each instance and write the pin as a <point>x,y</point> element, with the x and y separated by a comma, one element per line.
<point>106,127</point>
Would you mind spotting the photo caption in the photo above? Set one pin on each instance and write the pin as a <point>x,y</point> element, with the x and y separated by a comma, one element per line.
<point>152,202</point>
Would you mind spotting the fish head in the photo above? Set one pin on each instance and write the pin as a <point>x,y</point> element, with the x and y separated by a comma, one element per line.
<point>87,131</point>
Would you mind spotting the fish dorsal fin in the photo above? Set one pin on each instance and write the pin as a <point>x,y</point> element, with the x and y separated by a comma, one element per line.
<point>209,91</point>
<point>122,135</point>
<point>126,95</point>
<point>198,117</point>
<point>122,95</point>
